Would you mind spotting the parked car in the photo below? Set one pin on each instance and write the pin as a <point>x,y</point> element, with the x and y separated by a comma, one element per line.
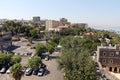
<point>8,71</point>
<point>3,70</point>
<point>43,65</point>
<point>41,72</point>
<point>35,71</point>
<point>97,67</point>
<point>103,75</point>
<point>46,58</point>
<point>98,71</point>
<point>28,71</point>
<point>0,67</point>
<point>28,44</point>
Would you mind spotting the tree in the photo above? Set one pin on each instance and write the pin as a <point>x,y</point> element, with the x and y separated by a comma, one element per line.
<point>34,62</point>
<point>15,59</point>
<point>5,59</point>
<point>40,48</point>
<point>56,38</point>
<point>16,71</point>
<point>50,47</point>
<point>75,60</point>
<point>33,33</point>
<point>14,27</point>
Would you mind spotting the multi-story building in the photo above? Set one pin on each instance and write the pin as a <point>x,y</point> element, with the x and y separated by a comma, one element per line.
<point>42,22</point>
<point>63,21</point>
<point>36,19</point>
<point>85,25</point>
<point>52,24</point>
<point>109,57</point>
<point>5,39</point>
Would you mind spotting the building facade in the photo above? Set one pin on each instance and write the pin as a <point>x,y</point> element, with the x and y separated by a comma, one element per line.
<point>36,19</point>
<point>63,21</point>
<point>5,40</point>
<point>85,25</point>
<point>52,24</point>
<point>109,57</point>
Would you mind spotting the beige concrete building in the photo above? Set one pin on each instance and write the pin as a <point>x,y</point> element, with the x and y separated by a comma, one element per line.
<point>52,24</point>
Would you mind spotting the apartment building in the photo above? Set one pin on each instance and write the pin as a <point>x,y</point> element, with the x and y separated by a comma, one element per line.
<point>50,24</point>
<point>63,21</point>
<point>109,57</point>
<point>36,19</point>
<point>85,25</point>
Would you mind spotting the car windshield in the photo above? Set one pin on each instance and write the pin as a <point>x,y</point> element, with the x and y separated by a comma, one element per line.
<point>3,68</point>
<point>41,70</point>
<point>28,70</point>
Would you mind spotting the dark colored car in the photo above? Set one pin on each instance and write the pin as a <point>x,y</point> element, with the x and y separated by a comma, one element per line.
<point>0,67</point>
<point>35,71</point>
<point>43,65</point>
<point>28,71</point>
<point>41,72</point>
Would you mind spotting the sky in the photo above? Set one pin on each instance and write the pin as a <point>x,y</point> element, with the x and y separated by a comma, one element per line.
<point>97,13</point>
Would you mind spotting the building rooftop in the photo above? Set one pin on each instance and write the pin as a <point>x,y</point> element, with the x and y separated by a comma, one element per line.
<point>117,47</point>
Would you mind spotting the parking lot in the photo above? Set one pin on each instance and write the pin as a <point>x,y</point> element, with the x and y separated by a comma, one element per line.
<point>52,67</point>
<point>51,64</point>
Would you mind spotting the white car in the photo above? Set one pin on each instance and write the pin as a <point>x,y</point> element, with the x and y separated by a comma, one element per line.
<point>8,71</point>
<point>28,71</point>
<point>46,58</point>
<point>41,72</point>
<point>2,70</point>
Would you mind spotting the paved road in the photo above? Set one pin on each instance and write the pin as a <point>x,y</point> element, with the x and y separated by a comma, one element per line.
<point>5,77</point>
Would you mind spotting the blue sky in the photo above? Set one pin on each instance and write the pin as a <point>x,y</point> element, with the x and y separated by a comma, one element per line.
<point>104,13</point>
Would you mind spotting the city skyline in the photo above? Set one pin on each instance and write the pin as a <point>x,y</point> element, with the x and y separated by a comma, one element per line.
<point>94,12</point>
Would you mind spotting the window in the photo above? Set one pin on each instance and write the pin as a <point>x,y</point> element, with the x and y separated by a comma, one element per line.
<point>111,61</point>
<point>104,60</point>
<point>111,53</point>
<point>104,53</point>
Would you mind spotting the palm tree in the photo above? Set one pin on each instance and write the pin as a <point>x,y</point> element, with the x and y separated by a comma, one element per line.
<point>16,71</point>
